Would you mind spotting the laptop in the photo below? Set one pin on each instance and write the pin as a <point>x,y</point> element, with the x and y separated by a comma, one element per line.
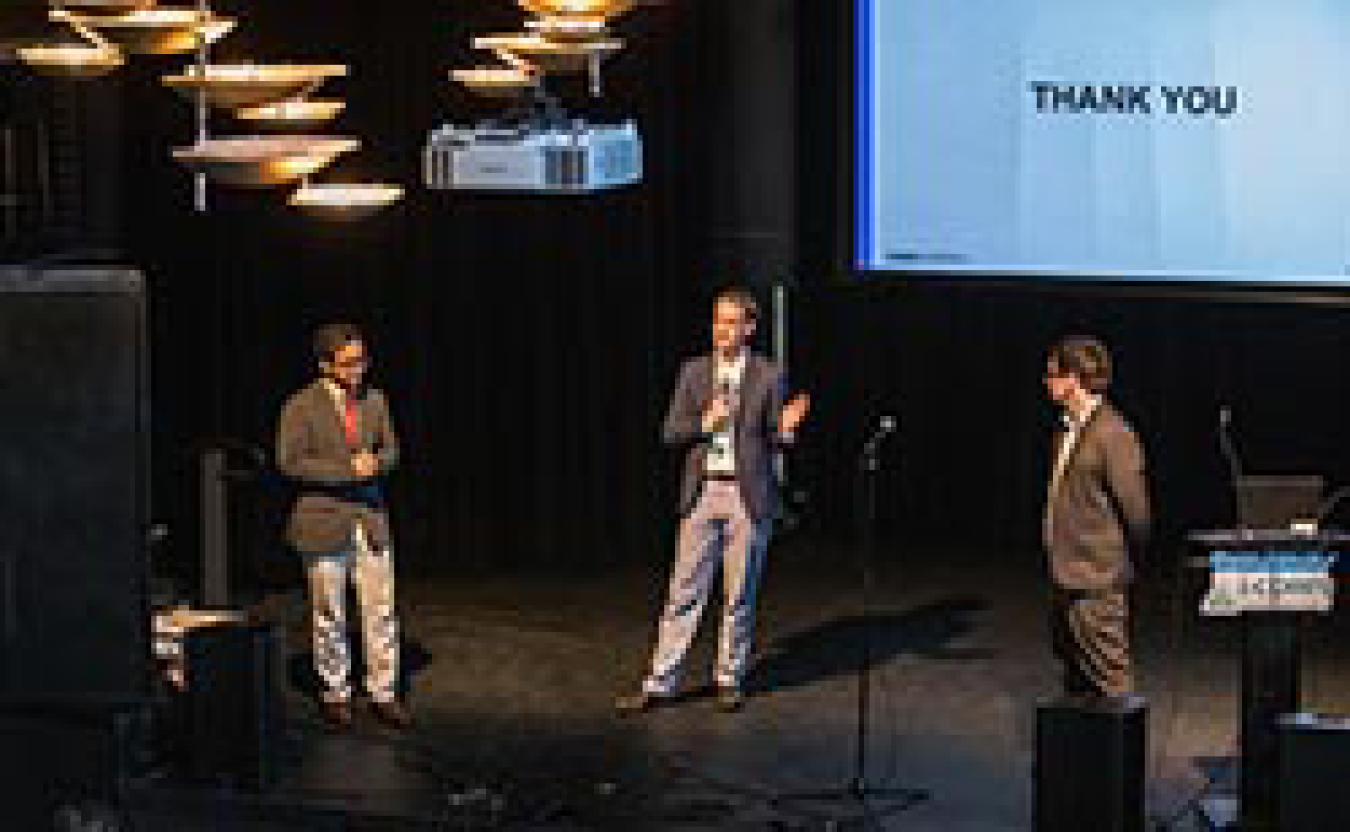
<point>1277,501</point>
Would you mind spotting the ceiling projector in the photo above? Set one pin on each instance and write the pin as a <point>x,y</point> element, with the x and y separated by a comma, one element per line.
<point>577,157</point>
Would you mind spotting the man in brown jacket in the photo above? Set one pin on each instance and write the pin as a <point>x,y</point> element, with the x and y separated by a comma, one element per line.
<point>336,441</point>
<point>1096,511</point>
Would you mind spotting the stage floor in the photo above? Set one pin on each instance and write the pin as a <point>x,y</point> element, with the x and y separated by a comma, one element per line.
<point>514,674</point>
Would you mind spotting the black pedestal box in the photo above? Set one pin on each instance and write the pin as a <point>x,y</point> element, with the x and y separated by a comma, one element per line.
<point>1090,766</point>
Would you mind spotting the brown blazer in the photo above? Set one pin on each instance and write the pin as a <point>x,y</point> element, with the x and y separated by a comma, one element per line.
<point>312,450</point>
<point>1100,509</point>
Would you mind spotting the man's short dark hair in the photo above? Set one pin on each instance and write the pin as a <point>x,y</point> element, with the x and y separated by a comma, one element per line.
<point>330,338</point>
<point>743,298</point>
<point>1085,358</point>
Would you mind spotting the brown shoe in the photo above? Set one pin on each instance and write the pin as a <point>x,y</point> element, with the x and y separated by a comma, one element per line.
<point>337,715</point>
<point>640,702</point>
<point>730,699</point>
<point>392,713</point>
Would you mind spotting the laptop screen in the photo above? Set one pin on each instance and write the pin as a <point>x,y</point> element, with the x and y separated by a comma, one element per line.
<point>1276,501</point>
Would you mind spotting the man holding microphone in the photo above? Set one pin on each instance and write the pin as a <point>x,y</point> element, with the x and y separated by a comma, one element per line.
<point>729,417</point>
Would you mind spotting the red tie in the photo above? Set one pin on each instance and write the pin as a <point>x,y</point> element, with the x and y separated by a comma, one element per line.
<point>351,421</point>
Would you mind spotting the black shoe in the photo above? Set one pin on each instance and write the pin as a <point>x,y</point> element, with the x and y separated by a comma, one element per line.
<point>637,703</point>
<point>730,698</point>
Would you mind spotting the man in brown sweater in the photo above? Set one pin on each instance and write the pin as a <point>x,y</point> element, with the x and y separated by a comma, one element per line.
<point>1096,512</point>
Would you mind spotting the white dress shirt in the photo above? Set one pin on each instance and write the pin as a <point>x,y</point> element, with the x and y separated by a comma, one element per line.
<point>727,377</point>
<point>1069,440</point>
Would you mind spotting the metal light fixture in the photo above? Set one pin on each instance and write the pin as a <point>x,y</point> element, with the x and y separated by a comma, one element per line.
<point>262,161</point>
<point>104,6</point>
<point>271,97</point>
<point>536,145</point>
<point>497,82</point>
<point>293,114</point>
<point>238,86</point>
<point>578,8</point>
<point>345,201</point>
<point>550,55</point>
<point>567,29</point>
<point>564,36</point>
<point>70,53</point>
<point>71,60</point>
<point>268,97</point>
<point>153,31</point>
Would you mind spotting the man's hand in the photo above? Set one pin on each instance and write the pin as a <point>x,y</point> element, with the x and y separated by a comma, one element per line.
<point>719,410</point>
<point>794,413</point>
<point>365,464</point>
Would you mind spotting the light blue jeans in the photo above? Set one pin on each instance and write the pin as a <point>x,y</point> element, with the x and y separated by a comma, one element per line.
<point>718,532</point>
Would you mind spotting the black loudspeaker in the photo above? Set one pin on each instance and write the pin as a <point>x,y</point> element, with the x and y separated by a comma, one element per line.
<point>1089,769</point>
<point>73,483</point>
<point>231,704</point>
<point>1314,759</point>
<point>63,762</point>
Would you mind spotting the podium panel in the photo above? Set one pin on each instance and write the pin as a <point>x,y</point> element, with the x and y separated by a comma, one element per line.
<point>1272,579</point>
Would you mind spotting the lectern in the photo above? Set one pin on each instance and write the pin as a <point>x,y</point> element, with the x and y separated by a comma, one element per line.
<point>1272,579</point>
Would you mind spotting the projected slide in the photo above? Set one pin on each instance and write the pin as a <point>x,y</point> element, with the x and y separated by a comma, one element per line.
<point>1184,140</point>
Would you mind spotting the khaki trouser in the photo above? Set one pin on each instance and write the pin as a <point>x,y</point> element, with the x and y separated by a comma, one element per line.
<point>1090,633</point>
<point>371,571</point>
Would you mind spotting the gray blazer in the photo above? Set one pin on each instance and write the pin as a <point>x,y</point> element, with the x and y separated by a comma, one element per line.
<point>761,394</point>
<point>312,450</point>
<point>1100,509</point>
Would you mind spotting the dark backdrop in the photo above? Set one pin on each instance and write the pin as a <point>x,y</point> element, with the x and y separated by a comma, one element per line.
<point>528,343</point>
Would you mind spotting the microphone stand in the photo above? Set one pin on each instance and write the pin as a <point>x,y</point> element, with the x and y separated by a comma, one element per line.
<point>857,791</point>
<point>1230,456</point>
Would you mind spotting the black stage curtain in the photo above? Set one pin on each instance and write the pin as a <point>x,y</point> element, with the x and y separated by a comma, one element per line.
<point>528,344</point>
